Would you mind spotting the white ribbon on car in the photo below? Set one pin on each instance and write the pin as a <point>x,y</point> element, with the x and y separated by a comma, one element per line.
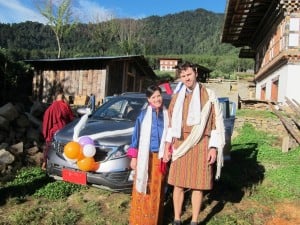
<point>82,122</point>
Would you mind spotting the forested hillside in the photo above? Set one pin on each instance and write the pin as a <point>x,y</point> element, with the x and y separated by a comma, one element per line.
<point>190,35</point>
<point>188,32</point>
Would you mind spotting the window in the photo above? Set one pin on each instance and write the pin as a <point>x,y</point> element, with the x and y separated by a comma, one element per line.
<point>294,24</point>
<point>293,40</point>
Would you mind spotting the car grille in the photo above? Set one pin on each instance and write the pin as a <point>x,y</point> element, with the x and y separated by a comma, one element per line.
<point>101,151</point>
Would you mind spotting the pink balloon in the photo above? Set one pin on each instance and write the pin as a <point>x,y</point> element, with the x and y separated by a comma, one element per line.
<point>84,140</point>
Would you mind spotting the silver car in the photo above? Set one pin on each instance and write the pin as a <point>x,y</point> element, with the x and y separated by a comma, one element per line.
<point>111,127</point>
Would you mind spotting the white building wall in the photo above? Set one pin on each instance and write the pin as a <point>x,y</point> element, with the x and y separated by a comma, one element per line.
<point>289,80</point>
<point>293,82</point>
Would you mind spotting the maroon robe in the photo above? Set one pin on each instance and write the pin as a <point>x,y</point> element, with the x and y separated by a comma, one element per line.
<point>57,115</point>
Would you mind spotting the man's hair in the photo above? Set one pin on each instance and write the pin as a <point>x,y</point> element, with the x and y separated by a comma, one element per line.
<point>57,93</point>
<point>186,64</point>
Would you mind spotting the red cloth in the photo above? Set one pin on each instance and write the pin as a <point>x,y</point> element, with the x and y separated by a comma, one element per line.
<point>168,88</point>
<point>57,115</point>
<point>163,167</point>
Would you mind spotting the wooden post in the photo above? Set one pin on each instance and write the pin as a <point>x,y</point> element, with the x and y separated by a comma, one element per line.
<point>285,144</point>
<point>286,124</point>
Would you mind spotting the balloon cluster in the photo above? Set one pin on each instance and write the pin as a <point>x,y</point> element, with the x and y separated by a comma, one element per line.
<point>82,153</point>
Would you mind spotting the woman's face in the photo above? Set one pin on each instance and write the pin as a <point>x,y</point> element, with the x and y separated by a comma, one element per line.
<point>155,99</point>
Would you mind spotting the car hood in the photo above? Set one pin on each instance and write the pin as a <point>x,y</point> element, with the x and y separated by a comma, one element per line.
<point>113,130</point>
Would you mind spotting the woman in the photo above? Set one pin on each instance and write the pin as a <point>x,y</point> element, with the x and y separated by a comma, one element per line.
<point>146,151</point>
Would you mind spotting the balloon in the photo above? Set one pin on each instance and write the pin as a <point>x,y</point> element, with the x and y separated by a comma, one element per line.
<point>89,150</point>
<point>84,140</point>
<point>69,160</point>
<point>80,155</point>
<point>96,166</point>
<point>86,164</point>
<point>72,150</point>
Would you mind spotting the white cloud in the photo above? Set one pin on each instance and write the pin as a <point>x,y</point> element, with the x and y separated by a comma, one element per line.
<point>88,11</point>
<point>15,11</point>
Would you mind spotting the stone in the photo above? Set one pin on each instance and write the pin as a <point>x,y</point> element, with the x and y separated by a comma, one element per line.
<point>6,157</point>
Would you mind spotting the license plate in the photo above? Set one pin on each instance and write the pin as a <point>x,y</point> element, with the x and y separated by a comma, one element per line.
<point>76,177</point>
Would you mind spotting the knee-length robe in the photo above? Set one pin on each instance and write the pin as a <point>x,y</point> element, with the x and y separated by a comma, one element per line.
<point>192,169</point>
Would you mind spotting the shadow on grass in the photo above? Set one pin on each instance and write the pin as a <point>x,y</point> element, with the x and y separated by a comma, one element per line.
<point>239,175</point>
<point>23,189</point>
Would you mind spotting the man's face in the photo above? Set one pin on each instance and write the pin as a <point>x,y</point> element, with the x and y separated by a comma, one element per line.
<point>188,78</point>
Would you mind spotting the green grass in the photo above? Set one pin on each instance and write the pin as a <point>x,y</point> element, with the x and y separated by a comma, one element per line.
<point>58,190</point>
<point>255,113</point>
<point>258,173</point>
<point>280,170</point>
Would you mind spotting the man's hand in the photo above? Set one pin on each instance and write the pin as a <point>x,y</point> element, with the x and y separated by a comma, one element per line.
<point>212,155</point>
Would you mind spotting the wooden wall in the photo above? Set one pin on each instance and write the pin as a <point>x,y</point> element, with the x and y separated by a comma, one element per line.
<point>72,82</point>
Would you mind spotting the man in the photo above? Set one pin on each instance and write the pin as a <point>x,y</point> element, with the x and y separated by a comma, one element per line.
<point>92,102</point>
<point>196,138</point>
<point>56,116</point>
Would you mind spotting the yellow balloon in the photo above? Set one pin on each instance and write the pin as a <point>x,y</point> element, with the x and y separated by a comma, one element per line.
<point>72,149</point>
<point>86,164</point>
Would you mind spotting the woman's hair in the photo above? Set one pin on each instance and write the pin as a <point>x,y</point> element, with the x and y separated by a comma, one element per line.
<point>151,89</point>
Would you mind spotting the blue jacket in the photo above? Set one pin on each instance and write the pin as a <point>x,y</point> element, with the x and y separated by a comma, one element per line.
<point>157,127</point>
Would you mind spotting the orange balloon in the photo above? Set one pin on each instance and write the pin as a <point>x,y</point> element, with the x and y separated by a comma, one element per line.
<point>96,166</point>
<point>72,149</point>
<point>86,164</point>
<point>80,155</point>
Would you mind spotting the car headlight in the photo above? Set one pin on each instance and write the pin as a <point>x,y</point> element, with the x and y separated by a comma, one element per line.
<point>118,152</point>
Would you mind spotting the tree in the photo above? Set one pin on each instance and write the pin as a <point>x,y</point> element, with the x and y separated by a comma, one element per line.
<point>128,35</point>
<point>59,19</point>
<point>103,33</point>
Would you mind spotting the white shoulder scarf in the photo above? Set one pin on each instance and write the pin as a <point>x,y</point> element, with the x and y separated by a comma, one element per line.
<point>144,146</point>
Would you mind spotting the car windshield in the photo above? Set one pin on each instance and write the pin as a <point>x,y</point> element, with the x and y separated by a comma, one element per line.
<point>120,108</point>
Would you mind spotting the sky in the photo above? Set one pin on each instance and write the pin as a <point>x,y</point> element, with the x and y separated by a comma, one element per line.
<point>16,11</point>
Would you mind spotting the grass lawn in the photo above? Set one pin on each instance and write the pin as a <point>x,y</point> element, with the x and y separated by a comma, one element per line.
<point>260,185</point>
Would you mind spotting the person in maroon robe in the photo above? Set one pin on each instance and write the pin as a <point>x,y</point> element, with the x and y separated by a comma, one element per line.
<point>56,116</point>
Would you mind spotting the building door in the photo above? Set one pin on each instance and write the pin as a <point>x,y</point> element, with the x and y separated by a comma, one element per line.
<point>274,91</point>
<point>263,93</point>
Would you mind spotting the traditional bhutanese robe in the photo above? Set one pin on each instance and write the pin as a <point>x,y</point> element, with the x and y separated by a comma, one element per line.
<point>192,169</point>
<point>147,209</point>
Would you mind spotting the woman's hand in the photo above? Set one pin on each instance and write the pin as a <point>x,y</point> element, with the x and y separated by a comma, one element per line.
<point>167,153</point>
<point>133,163</point>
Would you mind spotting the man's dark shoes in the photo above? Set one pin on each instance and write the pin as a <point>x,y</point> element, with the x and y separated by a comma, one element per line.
<point>176,222</point>
<point>193,223</point>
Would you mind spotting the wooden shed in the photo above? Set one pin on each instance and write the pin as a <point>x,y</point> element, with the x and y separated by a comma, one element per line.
<point>80,77</point>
